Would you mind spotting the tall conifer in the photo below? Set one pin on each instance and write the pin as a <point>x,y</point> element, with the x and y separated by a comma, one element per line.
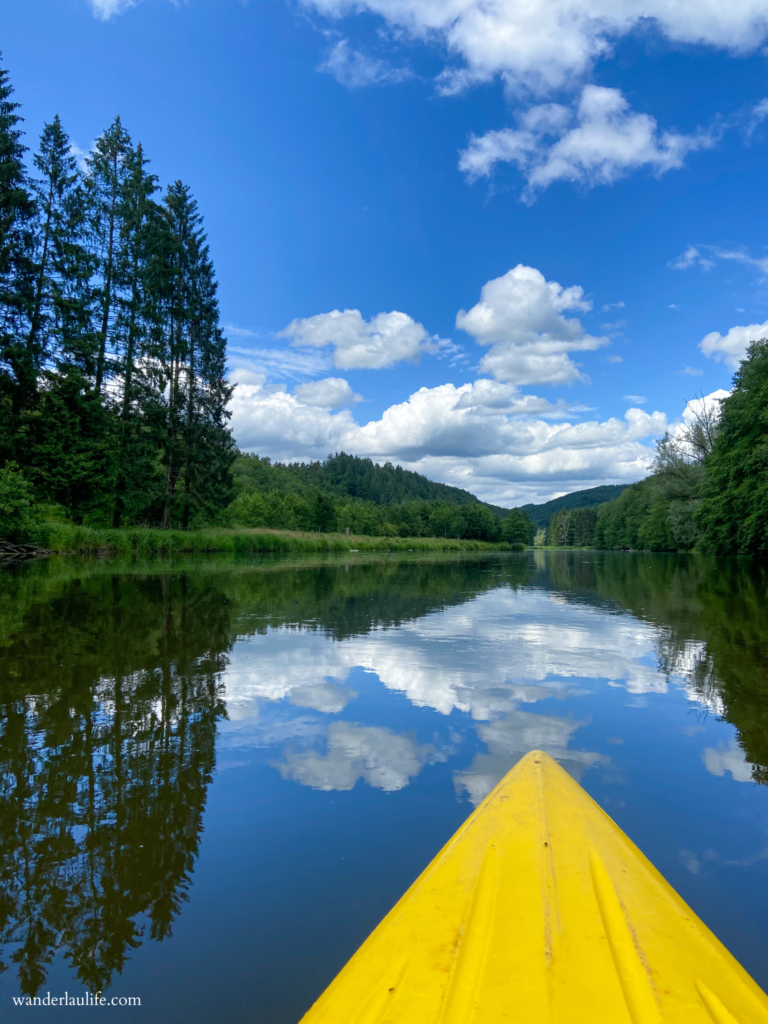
<point>19,364</point>
<point>105,180</point>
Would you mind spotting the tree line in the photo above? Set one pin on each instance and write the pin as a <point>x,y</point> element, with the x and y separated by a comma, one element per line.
<point>709,488</point>
<point>113,387</point>
<point>327,513</point>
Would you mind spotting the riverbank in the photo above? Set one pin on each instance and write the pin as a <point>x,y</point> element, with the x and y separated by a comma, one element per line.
<point>64,538</point>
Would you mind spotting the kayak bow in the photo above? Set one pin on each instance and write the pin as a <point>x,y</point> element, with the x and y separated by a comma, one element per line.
<point>540,910</point>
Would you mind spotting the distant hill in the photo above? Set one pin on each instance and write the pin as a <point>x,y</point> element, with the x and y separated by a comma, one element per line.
<point>346,476</point>
<point>540,514</point>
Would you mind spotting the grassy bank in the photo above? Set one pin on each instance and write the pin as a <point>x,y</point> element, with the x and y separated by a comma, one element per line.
<point>65,539</point>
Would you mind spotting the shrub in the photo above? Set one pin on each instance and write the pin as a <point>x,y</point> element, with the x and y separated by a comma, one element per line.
<point>20,519</point>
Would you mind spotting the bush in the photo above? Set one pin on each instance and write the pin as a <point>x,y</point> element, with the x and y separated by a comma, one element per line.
<point>20,519</point>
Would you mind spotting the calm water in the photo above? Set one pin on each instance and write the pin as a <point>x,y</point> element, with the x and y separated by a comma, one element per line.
<point>217,777</point>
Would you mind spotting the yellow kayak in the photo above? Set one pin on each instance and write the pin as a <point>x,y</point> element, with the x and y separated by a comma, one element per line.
<point>540,910</point>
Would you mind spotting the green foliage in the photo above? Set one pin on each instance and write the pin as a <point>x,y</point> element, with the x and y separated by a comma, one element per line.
<point>637,520</point>
<point>323,512</point>
<point>345,476</point>
<point>517,528</point>
<point>541,515</point>
<point>573,527</point>
<point>19,515</point>
<point>733,514</point>
<point>324,496</point>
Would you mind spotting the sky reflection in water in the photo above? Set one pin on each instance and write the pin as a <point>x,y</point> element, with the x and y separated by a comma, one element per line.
<point>368,708</point>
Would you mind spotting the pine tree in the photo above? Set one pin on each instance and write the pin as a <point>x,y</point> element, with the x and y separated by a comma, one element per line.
<point>192,354</point>
<point>19,364</point>
<point>108,169</point>
<point>140,399</point>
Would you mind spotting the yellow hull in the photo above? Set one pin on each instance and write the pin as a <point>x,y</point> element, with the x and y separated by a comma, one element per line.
<point>540,910</point>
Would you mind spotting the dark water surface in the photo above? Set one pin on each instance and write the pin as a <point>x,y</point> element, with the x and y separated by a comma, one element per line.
<point>216,777</point>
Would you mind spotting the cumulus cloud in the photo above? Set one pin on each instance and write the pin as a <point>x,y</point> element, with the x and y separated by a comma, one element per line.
<point>612,305</point>
<point>520,315</point>
<point>384,759</point>
<point>354,70</point>
<point>544,45</point>
<point>330,393</point>
<point>386,339</point>
<point>595,143</point>
<point>732,347</point>
<point>484,436</point>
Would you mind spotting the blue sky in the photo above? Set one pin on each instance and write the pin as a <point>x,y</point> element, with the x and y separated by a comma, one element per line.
<point>545,219</point>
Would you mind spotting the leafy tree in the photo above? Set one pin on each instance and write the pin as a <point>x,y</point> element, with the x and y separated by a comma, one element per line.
<point>733,514</point>
<point>517,528</point>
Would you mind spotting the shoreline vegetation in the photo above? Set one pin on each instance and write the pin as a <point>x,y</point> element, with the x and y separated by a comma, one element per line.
<point>66,539</point>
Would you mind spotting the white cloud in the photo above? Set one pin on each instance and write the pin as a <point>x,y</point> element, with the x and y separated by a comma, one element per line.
<point>706,256</point>
<point>731,759</point>
<point>732,347</point>
<point>600,140</point>
<point>386,339</point>
<point>280,363</point>
<point>757,115</point>
<point>384,759</point>
<point>483,436</point>
<point>612,305</point>
<point>542,45</point>
<point>691,371</point>
<point>520,316</point>
<point>354,70</point>
<point>106,9</point>
<point>636,399</point>
<point>330,393</point>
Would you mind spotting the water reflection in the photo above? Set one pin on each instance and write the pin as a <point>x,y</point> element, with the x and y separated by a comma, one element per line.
<point>115,684</point>
<point>104,767</point>
<point>384,759</point>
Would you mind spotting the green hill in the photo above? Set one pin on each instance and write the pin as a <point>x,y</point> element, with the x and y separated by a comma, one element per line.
<point>541,514</point>
<point>346,476</point>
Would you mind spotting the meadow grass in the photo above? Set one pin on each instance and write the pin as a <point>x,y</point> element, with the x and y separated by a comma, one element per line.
<point>65,538</point>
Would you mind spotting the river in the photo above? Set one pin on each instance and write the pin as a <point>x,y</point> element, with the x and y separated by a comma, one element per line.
<point>217,776</point>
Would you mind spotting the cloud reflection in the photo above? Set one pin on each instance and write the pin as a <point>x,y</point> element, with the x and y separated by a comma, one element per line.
<point>485,657</point>
<point>509,738</point>
<point>384,759</point>
<point>731,759</point>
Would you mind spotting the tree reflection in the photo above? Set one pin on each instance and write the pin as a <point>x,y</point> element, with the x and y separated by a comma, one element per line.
<point>712,626</point>
<point>110,691</point>
<point>105,768</point>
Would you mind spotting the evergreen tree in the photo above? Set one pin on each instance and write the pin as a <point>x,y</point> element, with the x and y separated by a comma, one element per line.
<point>19,364</point>
<point>108,169</point>
<point>140,400</point>
<point>191,351</point>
